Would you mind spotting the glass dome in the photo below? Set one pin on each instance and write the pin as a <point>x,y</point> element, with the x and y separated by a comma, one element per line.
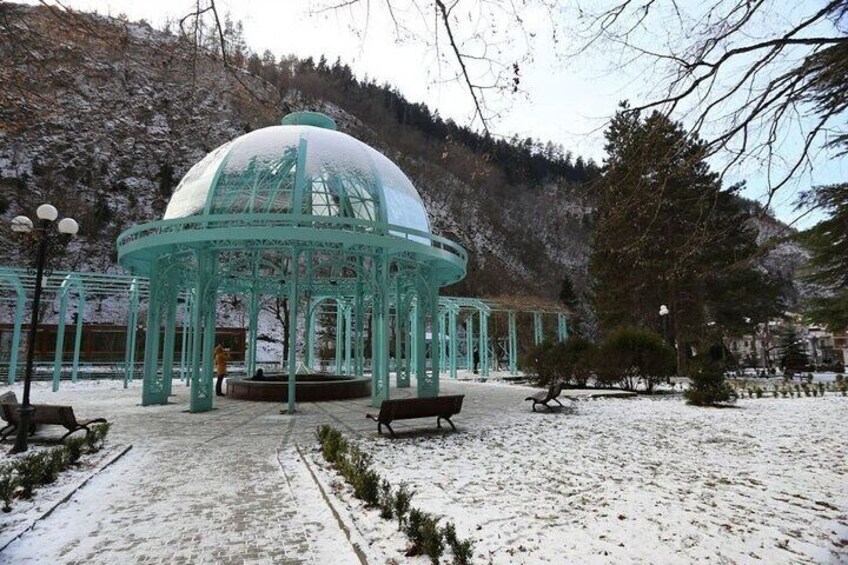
<point>301,167</point>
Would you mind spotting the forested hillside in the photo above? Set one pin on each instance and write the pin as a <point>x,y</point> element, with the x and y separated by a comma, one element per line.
<point>104,116</point>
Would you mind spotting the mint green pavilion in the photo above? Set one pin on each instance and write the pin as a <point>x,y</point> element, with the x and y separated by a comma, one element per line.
<point>303,212</point>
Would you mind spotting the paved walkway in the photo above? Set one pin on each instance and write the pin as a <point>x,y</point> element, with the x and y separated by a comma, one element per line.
<point>213,487</point>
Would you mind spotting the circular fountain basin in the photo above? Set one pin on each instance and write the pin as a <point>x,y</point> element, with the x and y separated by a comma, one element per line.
<point>308,388</point>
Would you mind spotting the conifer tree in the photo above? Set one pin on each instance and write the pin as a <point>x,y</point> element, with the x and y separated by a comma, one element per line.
<point>668,233</point>
<point>828,265</point>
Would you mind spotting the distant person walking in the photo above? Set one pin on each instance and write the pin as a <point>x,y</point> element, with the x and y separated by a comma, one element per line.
<point>221,358</point>
<point>476,359</point>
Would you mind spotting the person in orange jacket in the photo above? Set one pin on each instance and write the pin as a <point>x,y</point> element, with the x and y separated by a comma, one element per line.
<point>221,358</point>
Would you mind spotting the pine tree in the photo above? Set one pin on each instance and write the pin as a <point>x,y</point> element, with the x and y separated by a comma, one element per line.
<point>666,233</point>
<point>793,355</point>
<point>828,265</point>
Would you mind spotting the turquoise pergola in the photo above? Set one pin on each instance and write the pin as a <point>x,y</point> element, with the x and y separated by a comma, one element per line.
<point>303,213</point>
<point>67,292</point>
<point>463,326</point>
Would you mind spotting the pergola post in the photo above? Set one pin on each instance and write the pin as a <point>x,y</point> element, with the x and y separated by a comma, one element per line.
<point>78,332</point>
<point>421,346</point>
<point>443,350</point>
<point>469,341</point>
<point>484,343</point>
<point>562,328</point>
<point>454,344</point>
<point>538,333</point>
<point>64,289</point>
<point>20,304</point>
<point>513,344</point>
<point>293,307</point>
<point>132,328</point>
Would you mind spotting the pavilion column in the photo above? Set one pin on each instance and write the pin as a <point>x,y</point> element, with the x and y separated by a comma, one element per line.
<point>311,308</point>
<point>189,334</point>
<point>293,284</point>
<point>170,338</point>
<point>339,336</point>
<point>348,335</point>
<point>132,328</point>
<point>404,343</point>
<point>203,340</point>
<point>252,331</point>
<point>421,346</point>
<point>152,390</point>
<point>513,345</point>
<point>184,346</point>
<point>380,335</point>
<point>359,321</point>
<point>399,325</point>
<point>454,345</point>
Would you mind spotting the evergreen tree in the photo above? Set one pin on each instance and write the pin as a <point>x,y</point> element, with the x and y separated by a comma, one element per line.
<point>828,265</point>
<point>667,233</point>
<point>567,295</point>
<point>793,355</point>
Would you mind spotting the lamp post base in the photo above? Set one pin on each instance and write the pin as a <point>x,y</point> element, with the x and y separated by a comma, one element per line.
<point>21,439</point>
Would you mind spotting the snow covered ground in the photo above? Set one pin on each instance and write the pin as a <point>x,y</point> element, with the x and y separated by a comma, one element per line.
<point>602,481</point>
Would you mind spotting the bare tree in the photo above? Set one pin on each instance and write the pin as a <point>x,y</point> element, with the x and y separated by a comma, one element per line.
<point>750,76</point>
<point>743,73</point>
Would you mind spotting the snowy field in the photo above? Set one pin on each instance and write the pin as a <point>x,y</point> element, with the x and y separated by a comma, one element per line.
<point>602,481</point>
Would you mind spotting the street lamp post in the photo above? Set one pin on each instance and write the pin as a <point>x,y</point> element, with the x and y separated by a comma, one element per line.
<point>21,224</point>
<point>664,318</point>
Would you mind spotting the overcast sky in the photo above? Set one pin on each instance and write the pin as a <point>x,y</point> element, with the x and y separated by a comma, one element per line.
<point>568,102</point>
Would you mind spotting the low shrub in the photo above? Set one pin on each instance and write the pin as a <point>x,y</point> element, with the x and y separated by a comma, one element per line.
<point>75,446</point>
<point>759,392</point>
<point>628,355</point>
<point>55,462</point>
<point>8,486</point>
<point>32,472</point>
<point>403,497</point>
<point>709,388</point>
<point>387,501</point>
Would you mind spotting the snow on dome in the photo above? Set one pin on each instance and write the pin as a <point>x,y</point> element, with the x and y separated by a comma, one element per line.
<point>301,167</point>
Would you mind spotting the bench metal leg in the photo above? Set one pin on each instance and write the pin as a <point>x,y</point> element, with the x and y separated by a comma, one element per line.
<point>7,430</point>
<point>87,432</point>
<point>391,431</point>
<point>448,420</point>
<point>558,402</point>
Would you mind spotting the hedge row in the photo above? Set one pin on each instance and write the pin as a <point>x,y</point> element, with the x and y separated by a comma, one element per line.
<point>422,528</point>
<point>21,477</point>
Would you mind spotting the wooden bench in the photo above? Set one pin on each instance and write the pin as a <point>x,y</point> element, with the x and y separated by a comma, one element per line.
<point>442,407</point>
<point>46,414</point>
<point>554,390</point>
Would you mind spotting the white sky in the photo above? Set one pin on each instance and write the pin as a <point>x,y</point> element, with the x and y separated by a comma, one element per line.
<point>565,103</point>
